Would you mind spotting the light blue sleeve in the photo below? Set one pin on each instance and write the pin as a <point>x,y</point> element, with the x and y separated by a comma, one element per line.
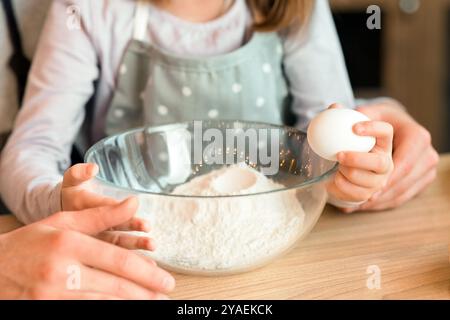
<point>315,67</point>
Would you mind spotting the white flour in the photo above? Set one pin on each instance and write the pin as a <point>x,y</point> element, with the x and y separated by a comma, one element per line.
<point>214,234</point>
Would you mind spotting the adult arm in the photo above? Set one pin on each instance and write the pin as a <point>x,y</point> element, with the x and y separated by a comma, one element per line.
<point>415,159</point>
<point>57,258</point>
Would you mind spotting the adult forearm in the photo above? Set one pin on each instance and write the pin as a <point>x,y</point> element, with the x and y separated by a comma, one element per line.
<point>388,110</point>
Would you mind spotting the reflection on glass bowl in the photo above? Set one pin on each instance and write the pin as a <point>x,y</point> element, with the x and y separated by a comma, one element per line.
<point>210,191</point>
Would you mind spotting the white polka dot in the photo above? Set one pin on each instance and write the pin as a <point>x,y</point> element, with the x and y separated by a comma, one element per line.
<point>163,110</point>
<point>119,113</point>
<point>163,156</point>
<point>187,92</point>
<point>213,113</point>
<point>123,69</point>
<point>267,68</point>
<point>260,102</point>
<point>237,87</point>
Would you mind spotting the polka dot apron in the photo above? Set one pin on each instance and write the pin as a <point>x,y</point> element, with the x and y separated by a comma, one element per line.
<point>156,87</point>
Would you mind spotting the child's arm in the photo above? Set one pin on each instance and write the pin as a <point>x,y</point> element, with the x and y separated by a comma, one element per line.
<point>59,85</point>
<point>315,67</point>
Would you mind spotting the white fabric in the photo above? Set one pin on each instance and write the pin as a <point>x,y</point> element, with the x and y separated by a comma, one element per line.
<point>225,34</point>
<point>140,21</point>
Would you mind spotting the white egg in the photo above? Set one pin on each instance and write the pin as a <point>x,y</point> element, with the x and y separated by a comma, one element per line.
<point>331,132</point>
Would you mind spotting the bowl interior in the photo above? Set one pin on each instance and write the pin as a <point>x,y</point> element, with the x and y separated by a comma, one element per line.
<point>158,159</point>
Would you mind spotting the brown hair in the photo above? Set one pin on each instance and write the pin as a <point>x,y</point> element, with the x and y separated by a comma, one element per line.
<point>276,15</point>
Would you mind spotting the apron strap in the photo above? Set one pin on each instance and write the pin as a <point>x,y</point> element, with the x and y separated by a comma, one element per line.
<point>140,20</point>
<point>18,62</point>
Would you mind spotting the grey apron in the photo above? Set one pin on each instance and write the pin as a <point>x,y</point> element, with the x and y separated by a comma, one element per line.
<point>155,87</point>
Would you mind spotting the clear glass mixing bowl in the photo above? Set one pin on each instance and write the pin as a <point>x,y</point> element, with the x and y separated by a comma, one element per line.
<point>216,234</point>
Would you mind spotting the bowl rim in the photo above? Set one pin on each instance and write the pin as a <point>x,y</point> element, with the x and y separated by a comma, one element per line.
<point>153,129</point>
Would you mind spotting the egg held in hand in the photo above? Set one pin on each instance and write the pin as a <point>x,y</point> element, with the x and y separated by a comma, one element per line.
<point>331,132</point>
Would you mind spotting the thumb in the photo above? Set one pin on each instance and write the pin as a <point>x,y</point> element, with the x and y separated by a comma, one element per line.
<point>336,106</point>
<point>78,174</point>
<point>95,220</point>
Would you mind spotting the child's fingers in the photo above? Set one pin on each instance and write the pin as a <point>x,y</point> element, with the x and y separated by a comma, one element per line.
<point>92,200</point>
<point>382,131</point>
<point>335,106</point>
<point>134,224</point>
<point>127,241</point>
<point>73,200</point>
<point>363,178</point>
<point>340,199</point>
<point>78,174</point>
<point>349,191</point>
<point>378,163</point>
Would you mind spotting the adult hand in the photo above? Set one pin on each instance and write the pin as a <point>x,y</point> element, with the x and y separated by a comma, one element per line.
<point>76,196</point>
<point>415,159</point>
<point>57,258</point>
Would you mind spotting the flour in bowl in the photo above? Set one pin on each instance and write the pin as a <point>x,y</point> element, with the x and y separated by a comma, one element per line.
<point>215,233</point>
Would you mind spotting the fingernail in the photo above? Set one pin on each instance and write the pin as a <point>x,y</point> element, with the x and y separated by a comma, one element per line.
<point>130,200</point>
<point>91,169</point>
<point>169,283</point>
<point>335,106</point>
<point>162,297</point>
<point>358,128</point>
<point>341,156</point>
<point>146,225</point>
<point>144,243</point>
<point>151,244</point>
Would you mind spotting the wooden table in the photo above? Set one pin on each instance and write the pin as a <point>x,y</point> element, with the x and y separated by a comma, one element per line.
<point>409,245</point>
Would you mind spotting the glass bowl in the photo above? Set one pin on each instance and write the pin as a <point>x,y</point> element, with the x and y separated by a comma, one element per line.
<point>222,197</point>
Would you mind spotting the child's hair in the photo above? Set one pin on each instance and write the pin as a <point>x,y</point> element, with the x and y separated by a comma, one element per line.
<point>277,15</point>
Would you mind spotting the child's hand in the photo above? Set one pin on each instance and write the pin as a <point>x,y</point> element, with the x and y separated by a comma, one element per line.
<point>75,196</point>
<point>363,175</point>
